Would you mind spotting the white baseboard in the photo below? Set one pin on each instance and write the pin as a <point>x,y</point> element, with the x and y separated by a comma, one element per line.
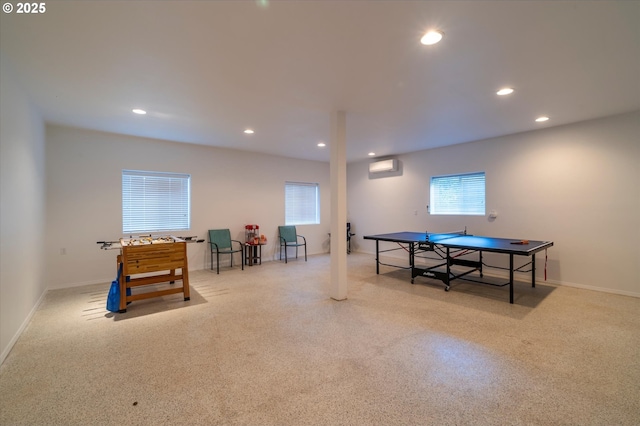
<point>83,283</point>
<point>26,321</point>
<point>594,288</point>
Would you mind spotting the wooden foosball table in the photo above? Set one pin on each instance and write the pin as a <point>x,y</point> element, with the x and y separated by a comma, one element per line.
<point>147,255</point>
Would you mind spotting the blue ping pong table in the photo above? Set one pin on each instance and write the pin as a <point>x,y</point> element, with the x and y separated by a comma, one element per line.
<point>448,248</point>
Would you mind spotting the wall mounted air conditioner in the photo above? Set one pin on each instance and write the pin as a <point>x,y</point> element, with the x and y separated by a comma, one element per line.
<point>384,166</point>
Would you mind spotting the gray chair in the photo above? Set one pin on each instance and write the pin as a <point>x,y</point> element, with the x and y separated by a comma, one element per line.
<point>290,238</point>
<point>221,243</point>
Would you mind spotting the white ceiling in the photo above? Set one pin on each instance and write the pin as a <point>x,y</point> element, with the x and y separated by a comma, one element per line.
<point>206,70</point>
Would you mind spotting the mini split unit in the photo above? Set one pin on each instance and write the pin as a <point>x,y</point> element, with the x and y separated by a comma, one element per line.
<point>384,166</point>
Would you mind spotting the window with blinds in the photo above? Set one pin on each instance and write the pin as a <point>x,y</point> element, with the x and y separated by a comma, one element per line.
<point>462,194</point>
<point>301,203</point>
<point>155,201</point>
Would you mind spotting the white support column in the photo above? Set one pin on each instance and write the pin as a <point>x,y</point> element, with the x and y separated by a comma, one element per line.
<point>338,171</point>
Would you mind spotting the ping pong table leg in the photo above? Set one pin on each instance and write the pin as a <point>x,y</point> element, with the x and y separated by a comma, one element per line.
<point>412,254</point>
<point>377,257</point>
<point>533,270</point>
<point>447,286</point>
<point>511,278</point>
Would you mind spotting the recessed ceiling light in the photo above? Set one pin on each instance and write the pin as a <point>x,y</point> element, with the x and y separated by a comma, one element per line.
<point>322,144</point>
<point>431,37</point>
<point>541,119</point>
<point>505,91</point>
<point>371,154</point>
<point>139,111</point>
<point>249,131</point>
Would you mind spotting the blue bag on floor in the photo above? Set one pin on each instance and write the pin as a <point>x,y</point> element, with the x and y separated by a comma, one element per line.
<point>113,299</point>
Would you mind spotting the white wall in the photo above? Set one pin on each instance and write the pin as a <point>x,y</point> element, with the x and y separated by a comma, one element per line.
<point>577,185</point>
<point>21,208</point>
<point>229,189</point>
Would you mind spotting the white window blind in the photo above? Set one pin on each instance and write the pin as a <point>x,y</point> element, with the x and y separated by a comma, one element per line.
<point>302,203</point>
<point>155,201</point>
<point>462,194</point>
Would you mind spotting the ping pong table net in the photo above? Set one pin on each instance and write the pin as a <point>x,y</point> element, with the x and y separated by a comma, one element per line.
<point>438,237</point>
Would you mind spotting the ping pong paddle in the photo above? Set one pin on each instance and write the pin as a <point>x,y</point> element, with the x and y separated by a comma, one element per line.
<point>520,242</point>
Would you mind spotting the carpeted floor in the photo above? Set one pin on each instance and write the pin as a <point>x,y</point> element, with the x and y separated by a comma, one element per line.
<point>266,346</point>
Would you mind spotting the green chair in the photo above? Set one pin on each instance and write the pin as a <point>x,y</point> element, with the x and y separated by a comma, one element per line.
<point>221,243</point>
<point>290,238</point>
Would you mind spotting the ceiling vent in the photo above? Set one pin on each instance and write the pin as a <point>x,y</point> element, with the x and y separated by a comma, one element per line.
<point>384,166</point>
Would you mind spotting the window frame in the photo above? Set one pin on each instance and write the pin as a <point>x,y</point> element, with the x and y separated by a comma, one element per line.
<point>163,189</point>
<point>467,189</point>
<point>299,217</point>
